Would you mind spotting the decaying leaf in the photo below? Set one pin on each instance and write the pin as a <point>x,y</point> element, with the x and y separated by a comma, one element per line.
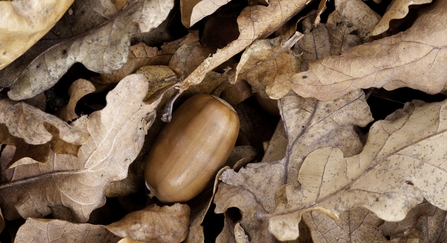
<point>152,224</point>
<point>78,89</point>
<point>309,124</point>
<point>414,58</point>
<point>103,50</point>
<point>71,187</point>
<point>23,23</point>
<point>400,165</point>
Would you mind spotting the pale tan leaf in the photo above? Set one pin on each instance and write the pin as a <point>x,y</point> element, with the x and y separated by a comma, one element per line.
<point>53,230</point>
<point>401,164</point>
<point>104,50</point>
<point>414,58</point>
<point>36,134</point>
<point>398,9</point>
<point>424,223</point>
<point>77,90</point>
<point>254,22</point>
<point>140,54</point>
<point>154,224</point>
<point>23,23</point>
<point>356,226</point>
<point>309,124</point>
<point>193,11</point>
<point>72,187</point>
<point>151,224</point>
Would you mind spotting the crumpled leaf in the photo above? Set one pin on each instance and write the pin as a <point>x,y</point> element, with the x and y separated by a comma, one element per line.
<point>151,224</point>
<point>400,165</point>
<point>414,58</point>
<point>398,9</point>
<point>103,50</point>
<point>192,11</point>
<point>309,124</point>
<point>23,23</point>
<point>35,133</point>
<point>71,187</point>
<point>266,66</point>
<point>254,22</point>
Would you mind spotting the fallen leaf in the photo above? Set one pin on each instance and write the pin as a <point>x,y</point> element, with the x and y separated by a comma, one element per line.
<point>397,10</point>
<point>23,23</point>
<point>71,187</point>
<point>36,133</point>
<point>192,11</point>
<point>309,124</point>
<point>414,58</point>
<point>254,22</point>
<point>151,224</point>
<point>78,89</point>
<point>358,14</point>
<point>103,50</point>
<point>357,225</point>
<point>400,165</point>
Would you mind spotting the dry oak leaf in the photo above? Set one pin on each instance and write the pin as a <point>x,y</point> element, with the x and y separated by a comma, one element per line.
<point>415,58</point>
<point>309,124</point>
<point>23,23</point>
<point>397,10</point>
<point>356,226</point>
<point>266,66</point>
<point>401,163</point>
<point>155,224</point>
<point>102,50</point>
<point>254,22</point>
<point>36,134</point>
<point>71,187</point>
<point>192,11</point>
<point>77,90</point>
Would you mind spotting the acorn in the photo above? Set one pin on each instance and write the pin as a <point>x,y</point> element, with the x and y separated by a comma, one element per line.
<point>190,149</point>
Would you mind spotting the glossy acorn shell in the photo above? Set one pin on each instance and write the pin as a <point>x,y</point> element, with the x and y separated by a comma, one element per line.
<point>190,149</point>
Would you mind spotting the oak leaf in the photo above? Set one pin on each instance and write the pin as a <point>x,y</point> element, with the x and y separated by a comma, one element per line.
<point>23,23</point>
<point>36,133</point>
<point>309,124</point>
<point>104,50</point>
<point>254,22</point>
<point>400,165</point>
<point>414,58</point>
<point>397,10</point>
<point>71,187</point>
<point>151,224</point>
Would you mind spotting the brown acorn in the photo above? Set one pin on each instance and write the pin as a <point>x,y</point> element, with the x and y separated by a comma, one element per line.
<point>190,149</point>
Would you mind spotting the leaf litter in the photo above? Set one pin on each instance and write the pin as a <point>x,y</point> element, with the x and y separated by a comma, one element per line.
<point>321,179</point>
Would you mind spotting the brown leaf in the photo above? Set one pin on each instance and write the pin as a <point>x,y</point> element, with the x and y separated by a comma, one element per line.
<point>103,50</point>
<point>309,124</point>
<point>254,22</point>
<point>400,165</point>
<point>358,14</point>
<point>397,10</point>
<point>151,224</point>
<point>71,187</point>
<point>414,58</point>
<point>23,23</point>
